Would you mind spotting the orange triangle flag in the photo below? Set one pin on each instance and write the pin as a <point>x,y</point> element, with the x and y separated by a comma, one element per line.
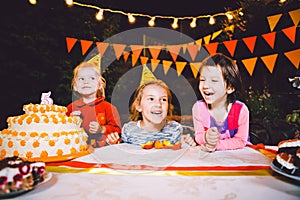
<point>212,47</point>
<point>166,65</point>
<point>199,41</point>
<point>136,47</point>
<point>179,67</point>
<point>294,57</point>
<point>230,46</point>
<point>295,16</point>
<point>70,43</point>
<point>270,38</point>
<point>154,51</point>
<point>193,50</point>
<point>250,42</point>
<point>250,64</point>
<point>273,20</point>
<point>174,51</point>
<point>135,56</point>
<point>144,60</point>
<point>290,33</point>
<point>269,61</point>
<point>119,49</point>
<point>215,34</point>
<point>85,45</point>
<point>195,68</point>
<point>101,46</point>
<point>125,55</point>
<point>154,64</point>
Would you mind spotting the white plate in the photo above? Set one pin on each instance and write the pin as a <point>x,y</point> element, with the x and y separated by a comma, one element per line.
<point>279,171</point>
<point>19,192</point>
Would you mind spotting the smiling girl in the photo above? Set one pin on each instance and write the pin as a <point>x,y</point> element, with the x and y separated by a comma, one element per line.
<point>220,120</point>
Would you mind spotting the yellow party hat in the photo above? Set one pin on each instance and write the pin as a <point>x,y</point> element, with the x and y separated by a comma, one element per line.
<point>147,75</point>
<point>96,60</point>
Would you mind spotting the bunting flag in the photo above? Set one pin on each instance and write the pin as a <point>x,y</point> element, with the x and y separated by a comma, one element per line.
<point>135,56</point>
<point>125,56</point>
<point>273,20</point>
<point>155,51</point>
<point>102,46</point>
<point>195,68</point>
<point>207,39</point>
<point>193,50</point>
<point>294,57</point>
<point>147,75</point>
<point>96,60</point>
<point>269,61</point>
<point>212,47</point>
<point>70,43</point>
<point>154,64</point>
<point>85,45</point>
<point>249,64</point>
<point>199,41</point>
<point>179,67</point>
<point>250,42</point>
<point>119,49</point>
<point>295,16</point>
<point>174,51</point>
<point>166,65</point>
<point>230,46</point>
<point>144,60</point>
<point>270,38</point>
<point>215,34</point>
<point>290,33</point>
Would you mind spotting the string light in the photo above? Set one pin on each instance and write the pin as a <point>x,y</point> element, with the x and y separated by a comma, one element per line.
<point>212,20</point>
<point>131,18</point>
<point>151,22</point>
<point>33,2</point>
<point>69,2</point>
<point>99,15</point>
<point>175,23</point>
<point>193,23</point>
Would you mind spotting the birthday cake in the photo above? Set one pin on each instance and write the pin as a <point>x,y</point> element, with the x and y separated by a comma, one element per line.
<point>43,133</point>
<point>288,156</point>
<point>19,175</point>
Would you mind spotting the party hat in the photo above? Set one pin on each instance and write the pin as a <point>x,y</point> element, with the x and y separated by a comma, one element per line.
<point>147,75</point>
<point>96,60</point>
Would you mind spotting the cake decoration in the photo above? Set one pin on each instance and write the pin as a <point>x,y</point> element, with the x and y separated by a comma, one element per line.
<point>46,99</point>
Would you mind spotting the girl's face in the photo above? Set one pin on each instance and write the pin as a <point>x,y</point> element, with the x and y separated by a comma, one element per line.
<point>212,85</point>
<point>87,82</point>
<point>153,105</point>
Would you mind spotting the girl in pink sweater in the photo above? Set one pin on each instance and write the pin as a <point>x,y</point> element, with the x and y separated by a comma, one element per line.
<point>221,122</point>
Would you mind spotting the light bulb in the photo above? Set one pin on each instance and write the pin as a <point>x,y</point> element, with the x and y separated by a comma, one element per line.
<point>193,23</point>
<point>131,18</point>
<point>33,2</point>
<point>99,15</point>
<point>151,22</point>
<point>69,2</point>
<point>212,20</point>
<point>229,16</point>
<point>175,23</point>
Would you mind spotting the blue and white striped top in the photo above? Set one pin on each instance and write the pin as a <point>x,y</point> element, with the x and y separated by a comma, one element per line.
<point>132,133</point>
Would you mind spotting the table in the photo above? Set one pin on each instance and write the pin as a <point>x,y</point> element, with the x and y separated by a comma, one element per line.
<point>121,172</point>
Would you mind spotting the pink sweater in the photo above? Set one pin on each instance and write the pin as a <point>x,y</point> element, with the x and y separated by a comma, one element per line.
<point>234,131</point>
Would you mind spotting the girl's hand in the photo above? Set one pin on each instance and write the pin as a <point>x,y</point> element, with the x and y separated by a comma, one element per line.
<point>212,136</point>
<point>207,148</point>
<point>95,127</point>
<point>187,138</point>
<point>113,138</point>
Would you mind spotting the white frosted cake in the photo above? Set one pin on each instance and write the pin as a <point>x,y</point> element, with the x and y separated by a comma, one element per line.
<point>43,132</point>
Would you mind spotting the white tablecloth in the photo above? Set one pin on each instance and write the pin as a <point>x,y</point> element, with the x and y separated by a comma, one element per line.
<point>146,186</point>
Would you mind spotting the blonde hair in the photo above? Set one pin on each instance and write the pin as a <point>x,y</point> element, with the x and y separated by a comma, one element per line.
<point>134,114</point>
<point>100,92</point>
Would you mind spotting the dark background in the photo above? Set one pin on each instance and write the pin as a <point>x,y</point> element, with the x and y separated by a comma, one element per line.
<point>34,57</point>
